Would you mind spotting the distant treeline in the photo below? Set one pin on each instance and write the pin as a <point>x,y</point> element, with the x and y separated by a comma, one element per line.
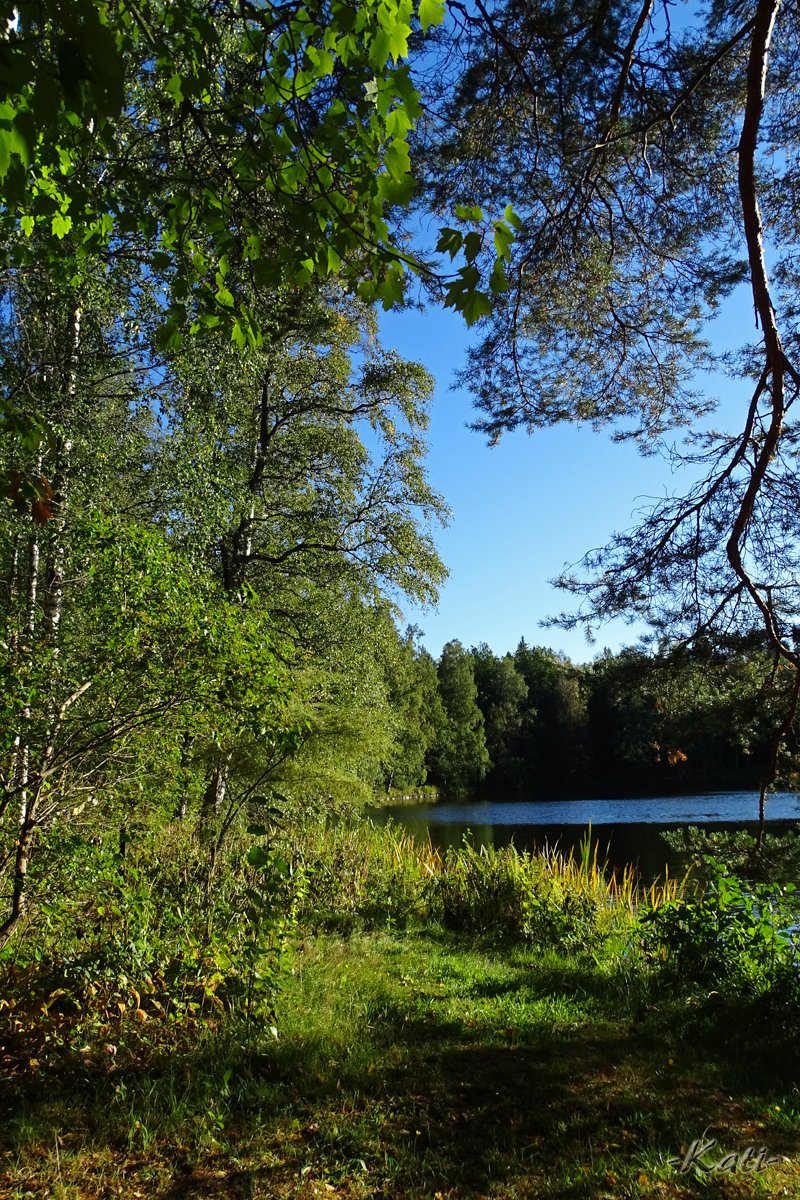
<point>532,723</point>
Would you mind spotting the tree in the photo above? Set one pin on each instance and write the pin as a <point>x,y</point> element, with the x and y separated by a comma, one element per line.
<point>700,715</point>
<point>58,361</point>
<point>144,645</point>
<point>502,692</point>
<point>201,537</point>
<point>248,528</point>
<point>417,708</point>
<point>305,458</point>
<point>459,759</point>
<point>299,472</point>
<point>552,738</point>
<point>249,116</point>
<point>652,166</point>
<point>179,133</point>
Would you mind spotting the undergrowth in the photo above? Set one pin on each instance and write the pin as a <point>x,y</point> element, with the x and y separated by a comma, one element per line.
<point>341,1009</point>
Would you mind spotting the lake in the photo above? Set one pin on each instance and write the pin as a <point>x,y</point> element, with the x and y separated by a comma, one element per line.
<point>627,831</point>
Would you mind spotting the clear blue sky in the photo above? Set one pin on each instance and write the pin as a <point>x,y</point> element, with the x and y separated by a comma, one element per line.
<point>525,508</point>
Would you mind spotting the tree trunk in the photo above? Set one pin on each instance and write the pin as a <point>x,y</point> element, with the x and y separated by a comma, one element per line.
<point>182,807</point>
<point>52,607</point>
<point>216,789</point>
<point>25,840</point>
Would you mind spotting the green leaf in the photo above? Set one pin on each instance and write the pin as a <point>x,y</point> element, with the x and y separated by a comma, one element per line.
<point>398,161</point>
<point>463,295</point>
<point>169,337</point>
<point>380,49</point>
<point>511,217</point>
<point>322,60</point>
<point>398,41</point>
<point>15,133</point>
<point>431,12</point>
<point>472,246</point>
<point>449,242</point>
<point>503,239</point>
<point>469,212</point>
<point>395,191</point>
<point>498,280</point>
<point>174,88</point>
<point>398,123</point>
<point>252,246</point>
<point>389,289</point>
<point>61,224</point>
<point>258,857</point>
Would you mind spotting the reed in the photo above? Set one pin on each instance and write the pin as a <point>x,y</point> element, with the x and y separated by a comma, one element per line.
<point>358,873</point>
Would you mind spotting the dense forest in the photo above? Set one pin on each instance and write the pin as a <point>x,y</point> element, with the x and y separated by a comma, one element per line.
<point>532,725</point>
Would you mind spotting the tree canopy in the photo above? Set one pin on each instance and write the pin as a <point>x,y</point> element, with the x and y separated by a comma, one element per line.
<point>200,203</point>
<point>649,155</point>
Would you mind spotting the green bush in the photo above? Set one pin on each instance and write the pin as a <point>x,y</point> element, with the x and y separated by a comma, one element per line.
<point>730,935</point>
<point>775,857</point>
<point>361,875</point>
<point>149,924</point>
<point>483,890</point>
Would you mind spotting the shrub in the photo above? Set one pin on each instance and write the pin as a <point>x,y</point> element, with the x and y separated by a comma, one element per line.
<point>154,929</point>
<point>729,934</point>
<point>548,897</point>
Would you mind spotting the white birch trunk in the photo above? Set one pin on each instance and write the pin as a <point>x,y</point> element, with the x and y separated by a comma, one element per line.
<point>31,788</point>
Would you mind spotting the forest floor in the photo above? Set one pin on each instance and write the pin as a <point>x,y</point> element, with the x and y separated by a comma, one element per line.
<point>417,1064</point>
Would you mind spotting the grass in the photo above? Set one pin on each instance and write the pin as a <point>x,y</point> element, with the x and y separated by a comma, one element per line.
<point>480,1025</point>
<point>421,1064</point>
<point>362,875</point>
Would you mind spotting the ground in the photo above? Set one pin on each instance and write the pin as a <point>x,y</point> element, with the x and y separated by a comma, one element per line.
<point>412,1065</point>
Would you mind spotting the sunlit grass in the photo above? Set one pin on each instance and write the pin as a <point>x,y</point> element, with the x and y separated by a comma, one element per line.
<point>408,1064</point>
<point>488,1026</point>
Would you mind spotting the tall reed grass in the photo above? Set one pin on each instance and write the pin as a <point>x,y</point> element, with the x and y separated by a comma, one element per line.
<point>357,873</point>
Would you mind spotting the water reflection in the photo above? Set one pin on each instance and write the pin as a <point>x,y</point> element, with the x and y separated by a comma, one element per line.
<point>626,831</point>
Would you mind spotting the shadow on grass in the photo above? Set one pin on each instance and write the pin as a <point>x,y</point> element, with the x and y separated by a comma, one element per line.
<point>419,1101</point>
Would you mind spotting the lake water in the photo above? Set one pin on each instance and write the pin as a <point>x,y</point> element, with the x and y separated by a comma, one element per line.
<point>627,831</point>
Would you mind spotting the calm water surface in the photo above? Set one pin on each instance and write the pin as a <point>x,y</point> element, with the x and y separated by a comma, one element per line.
<point>627,831</point>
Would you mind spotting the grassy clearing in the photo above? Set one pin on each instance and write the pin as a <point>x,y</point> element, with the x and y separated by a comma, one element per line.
<point>474,1026</point>
<point>417,1064</point>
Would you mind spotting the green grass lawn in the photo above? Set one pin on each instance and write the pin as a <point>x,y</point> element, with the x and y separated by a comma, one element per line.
<point>419,1064</point>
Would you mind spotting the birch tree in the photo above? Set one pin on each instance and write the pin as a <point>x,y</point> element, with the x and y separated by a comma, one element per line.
<point>298,472</point>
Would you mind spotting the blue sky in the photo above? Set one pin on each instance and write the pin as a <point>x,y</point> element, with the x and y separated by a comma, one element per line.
<point>525,508</point>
